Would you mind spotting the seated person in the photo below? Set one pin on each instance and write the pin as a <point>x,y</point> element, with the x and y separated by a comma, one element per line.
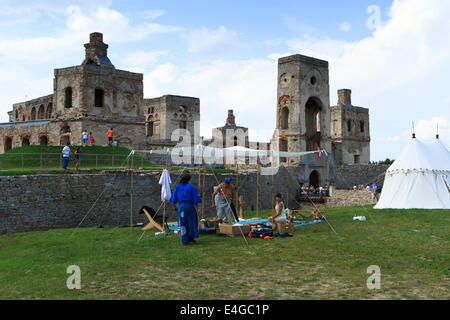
<point>276,215</point>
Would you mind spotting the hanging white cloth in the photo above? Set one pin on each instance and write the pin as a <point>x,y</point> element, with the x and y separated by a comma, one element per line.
<point>165,183</point>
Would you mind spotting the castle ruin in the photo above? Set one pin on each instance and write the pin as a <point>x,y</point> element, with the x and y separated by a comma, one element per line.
<point>95,96</point>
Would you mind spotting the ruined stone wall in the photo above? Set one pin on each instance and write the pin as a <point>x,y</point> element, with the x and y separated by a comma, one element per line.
<point>35,109</point>
<point>346,176</point>
<point>167,114</point>
<point>128,134</point>
<point>16,132</point>
<point>123,92</point>
<point>40,202</point>
<point>58,132</point>
<point>350,127</point>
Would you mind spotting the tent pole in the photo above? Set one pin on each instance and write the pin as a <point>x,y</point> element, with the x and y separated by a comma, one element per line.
<point>164,205</point>
<point>203,190</point>
<point>288,184</point>
<point>272,190</point>
<point>237,184</point>
<point>131,193</point>
<point>257,188</point>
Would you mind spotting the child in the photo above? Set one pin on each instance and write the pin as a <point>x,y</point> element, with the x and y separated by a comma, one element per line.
<point>84,135</point>
<point>91,138</point>
<point>78,158</point>
<point>278,211</point>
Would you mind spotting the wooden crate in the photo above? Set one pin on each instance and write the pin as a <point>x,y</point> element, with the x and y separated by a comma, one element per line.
<point>233,230</point>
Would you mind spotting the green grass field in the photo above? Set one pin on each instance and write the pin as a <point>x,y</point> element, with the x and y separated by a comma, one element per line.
<point>411,247</point>
<point>35,159</point>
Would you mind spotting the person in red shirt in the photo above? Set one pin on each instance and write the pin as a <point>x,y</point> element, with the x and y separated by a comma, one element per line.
<point>110,136</point>
<point>91,138</point>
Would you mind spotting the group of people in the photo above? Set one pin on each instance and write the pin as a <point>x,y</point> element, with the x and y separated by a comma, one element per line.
<point>87,139</point>
<point>374,189</point>
<point>185,199</point>
<point>311,191</point>
<point>66,157</point>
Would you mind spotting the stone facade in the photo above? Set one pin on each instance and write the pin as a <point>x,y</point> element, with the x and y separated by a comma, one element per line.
<point>166,114</point>
<point>347,176</point>
<point>94,96</point>
<point>303,115</point>
<point>230,134</point>
<point>350,131</point>
<point>40,202</point>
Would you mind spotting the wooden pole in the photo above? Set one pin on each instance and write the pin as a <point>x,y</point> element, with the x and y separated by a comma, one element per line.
<point>273,195</point>
<point>199,168</point>
<point>288,184</point>
<point>257,188</point>
<point>203,190</point>
<point>131,193</point>
<point>324,173</point>
<point>237,184</point>
<point>164,204</point>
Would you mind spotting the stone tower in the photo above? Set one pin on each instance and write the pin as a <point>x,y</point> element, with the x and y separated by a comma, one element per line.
<point>303,113</point>
<point>97,88</point>
<point>350,131</point>
<point>168,113</point>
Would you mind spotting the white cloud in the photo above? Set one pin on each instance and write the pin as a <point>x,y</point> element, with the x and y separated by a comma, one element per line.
<point>140,61</point>
<point>393,138</point>
<point>427,129</point>
<point>116,26</point>
<point>400,72</point>
<point>247,86</point>
<point>345,26</point>
<point>209,41</point>
<point>152,14</point>
<point>276,56</point>
<point>17,56</point>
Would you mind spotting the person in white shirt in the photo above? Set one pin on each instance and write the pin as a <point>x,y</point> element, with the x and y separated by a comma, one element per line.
<point>66,156</point>
<point>85,136</point>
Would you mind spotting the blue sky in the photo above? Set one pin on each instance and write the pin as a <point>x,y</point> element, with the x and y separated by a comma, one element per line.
<point>225,52</point>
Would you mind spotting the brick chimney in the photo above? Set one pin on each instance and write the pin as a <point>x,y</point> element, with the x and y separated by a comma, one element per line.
<point>344,97</point>
<point>95,49</point>
<point>230,118</point>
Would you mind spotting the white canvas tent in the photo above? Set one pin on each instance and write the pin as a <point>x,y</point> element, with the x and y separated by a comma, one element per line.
<point>419,178</point>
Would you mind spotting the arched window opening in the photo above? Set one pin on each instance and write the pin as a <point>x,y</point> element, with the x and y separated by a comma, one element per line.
<point>65,140</point>
<point>318,129</point>
<point>25,141</point>
<point>349,125</point>
<point>283,148</point>
<point>285,118</point>
<point>16,115</point>
<point>150,126</point>
<point>68,97</point>
<point>313,108</point>
<point>41,112</point>
<point>33,113</point>
<point>8,144</point>
<point>43,140</point>
<point>314,179</point>
<point>49,111</point>
<point>65,128</point>
<point>235,141</point>
<point>361,126</point>
<point>99,98</point>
